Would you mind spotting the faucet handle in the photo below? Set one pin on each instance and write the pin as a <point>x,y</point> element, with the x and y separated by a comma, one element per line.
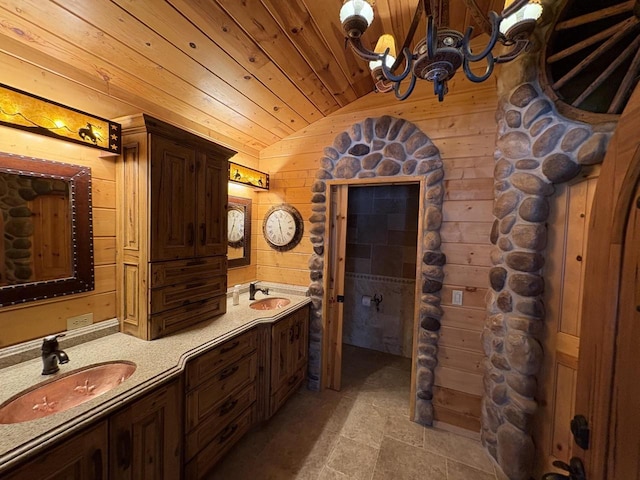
<point>51,338</point>
<point>50,342</point>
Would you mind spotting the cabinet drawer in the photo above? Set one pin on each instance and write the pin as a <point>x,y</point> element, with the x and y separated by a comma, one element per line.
<point>183,294</point>
<point>204,400</point>
<point>293,383</point>
<point>220,417</point>
<point>186,271</point>
<point>222,442</point>
<point>208,364</point>
<point>180,318</point>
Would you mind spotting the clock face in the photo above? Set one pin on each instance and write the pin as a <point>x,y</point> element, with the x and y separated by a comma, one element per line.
<point>282,227</point>
<point>235,228</point>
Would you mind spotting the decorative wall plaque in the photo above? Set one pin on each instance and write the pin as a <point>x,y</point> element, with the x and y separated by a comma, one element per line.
<point>38,115</point>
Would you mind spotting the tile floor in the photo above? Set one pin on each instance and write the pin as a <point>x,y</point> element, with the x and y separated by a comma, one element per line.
<point>359,433</point>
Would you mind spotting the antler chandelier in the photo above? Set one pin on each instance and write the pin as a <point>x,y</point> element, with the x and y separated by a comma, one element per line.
<point>439,55</point>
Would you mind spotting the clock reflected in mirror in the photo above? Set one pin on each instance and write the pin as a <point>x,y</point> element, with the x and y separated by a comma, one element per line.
<point>283,227</point>
<point>239,232</point>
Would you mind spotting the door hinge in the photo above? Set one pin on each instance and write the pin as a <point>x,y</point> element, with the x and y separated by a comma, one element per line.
<point>340,298</point>
<point>580,431</point>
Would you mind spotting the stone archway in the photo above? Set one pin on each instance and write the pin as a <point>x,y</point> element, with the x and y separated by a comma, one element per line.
<point>385,147</point>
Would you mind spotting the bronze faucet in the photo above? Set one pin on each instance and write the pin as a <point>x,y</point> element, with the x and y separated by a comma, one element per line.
<point>52,355</point>
<point>253,288</point>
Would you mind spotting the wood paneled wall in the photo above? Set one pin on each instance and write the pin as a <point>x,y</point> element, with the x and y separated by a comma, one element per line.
<point>41,318</point>
<point>463,127</point>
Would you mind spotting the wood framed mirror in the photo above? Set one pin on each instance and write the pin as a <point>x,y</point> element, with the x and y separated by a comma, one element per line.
<point>239,232</point>
<point>46,229</point>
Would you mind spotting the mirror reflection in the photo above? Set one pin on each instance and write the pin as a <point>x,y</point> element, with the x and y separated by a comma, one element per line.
<point>239,232</point>
<point>45,224</point>
<point>36,228</point>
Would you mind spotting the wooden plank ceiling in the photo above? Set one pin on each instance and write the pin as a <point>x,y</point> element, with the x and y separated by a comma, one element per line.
<point>252,71</point>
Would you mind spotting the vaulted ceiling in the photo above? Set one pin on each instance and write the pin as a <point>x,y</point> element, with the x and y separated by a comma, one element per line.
<point>253,71</point>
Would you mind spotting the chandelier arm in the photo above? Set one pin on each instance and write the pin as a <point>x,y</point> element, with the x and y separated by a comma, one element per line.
<point>432,37</point>
<point>495,34</point>
<point>388,74</point>
<point>520,45</point>
<point>362,51</point>
<point>423,7</point>
<point>474,78</point>
<point>412,84</point>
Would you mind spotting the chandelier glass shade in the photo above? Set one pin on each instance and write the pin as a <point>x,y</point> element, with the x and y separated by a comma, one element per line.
<point>439,55</point>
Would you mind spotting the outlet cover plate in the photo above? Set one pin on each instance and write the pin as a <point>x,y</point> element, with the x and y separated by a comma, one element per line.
<point>79,321</point>
<point>456,297</point>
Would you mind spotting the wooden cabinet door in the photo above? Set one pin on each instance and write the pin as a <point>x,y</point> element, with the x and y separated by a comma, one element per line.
<point>300,351</point>
<point>83,457</point>
<point>282,335</point>
<point>173,208</point>
<point>145,438</point>
<point>211,205</point>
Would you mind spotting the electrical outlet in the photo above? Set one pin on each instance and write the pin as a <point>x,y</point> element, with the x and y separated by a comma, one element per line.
<point>79,321</point>
<point>456,297</point>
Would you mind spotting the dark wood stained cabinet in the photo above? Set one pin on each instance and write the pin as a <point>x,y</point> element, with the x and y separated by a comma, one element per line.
<point>145,437</point>
<point>82,457</point>
<point>143,440</point>
<point>171,231</point>
<point>289,355</point>
<point>183,427</point>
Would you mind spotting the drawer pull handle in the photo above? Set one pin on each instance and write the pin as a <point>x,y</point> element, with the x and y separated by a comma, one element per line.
<point>196,285</point>
<point>227,432</point>
<point>226,349</point>
<point>291,335</point>
<point>193,306</point>
<point>228,406</point>
<point>96,459</point>
<point>190,234</point>
<point>298,330</point>
<point>193,263</point>
<point>227,372</point>
<point>203,233</point>
<point>124,450</point>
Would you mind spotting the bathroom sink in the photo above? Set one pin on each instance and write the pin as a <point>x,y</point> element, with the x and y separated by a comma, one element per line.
<point>65,392</point>
<point>270,303</point>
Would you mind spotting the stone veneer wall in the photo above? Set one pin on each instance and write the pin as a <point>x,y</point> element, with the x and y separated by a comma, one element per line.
<point>536,148</point>
<point>385,147</point>
<point>15,192</point>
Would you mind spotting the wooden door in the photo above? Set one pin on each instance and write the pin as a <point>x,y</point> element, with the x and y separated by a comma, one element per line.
<point>173,193</point>
<point>83,457</point>
<point>564,279</point>
<point>624,430</point>
<point>301,345</point>
<point>607,386</point>
<point>282,334</point>
<point>212,205</point>
<point>52,241</point>
<point>334,272</point>
<point>145,438</point>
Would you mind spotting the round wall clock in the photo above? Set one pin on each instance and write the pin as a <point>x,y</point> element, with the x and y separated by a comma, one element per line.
<point>282,227</point>
<point>235,228</point>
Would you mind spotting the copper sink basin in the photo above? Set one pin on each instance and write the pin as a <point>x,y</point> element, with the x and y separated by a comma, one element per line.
<point>65,392</point>
<point>270,303</point>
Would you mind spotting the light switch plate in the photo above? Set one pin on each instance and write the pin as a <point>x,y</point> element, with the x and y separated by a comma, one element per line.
<point>79,321</point>
<point>456,297</point>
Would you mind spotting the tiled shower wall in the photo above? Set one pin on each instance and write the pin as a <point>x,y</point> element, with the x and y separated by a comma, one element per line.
<point>382,232</point>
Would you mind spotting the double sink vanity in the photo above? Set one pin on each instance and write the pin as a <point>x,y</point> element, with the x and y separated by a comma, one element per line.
<point>169,408</point>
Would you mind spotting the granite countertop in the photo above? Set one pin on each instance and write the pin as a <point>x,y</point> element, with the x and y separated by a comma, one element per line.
<point>157,361</point>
